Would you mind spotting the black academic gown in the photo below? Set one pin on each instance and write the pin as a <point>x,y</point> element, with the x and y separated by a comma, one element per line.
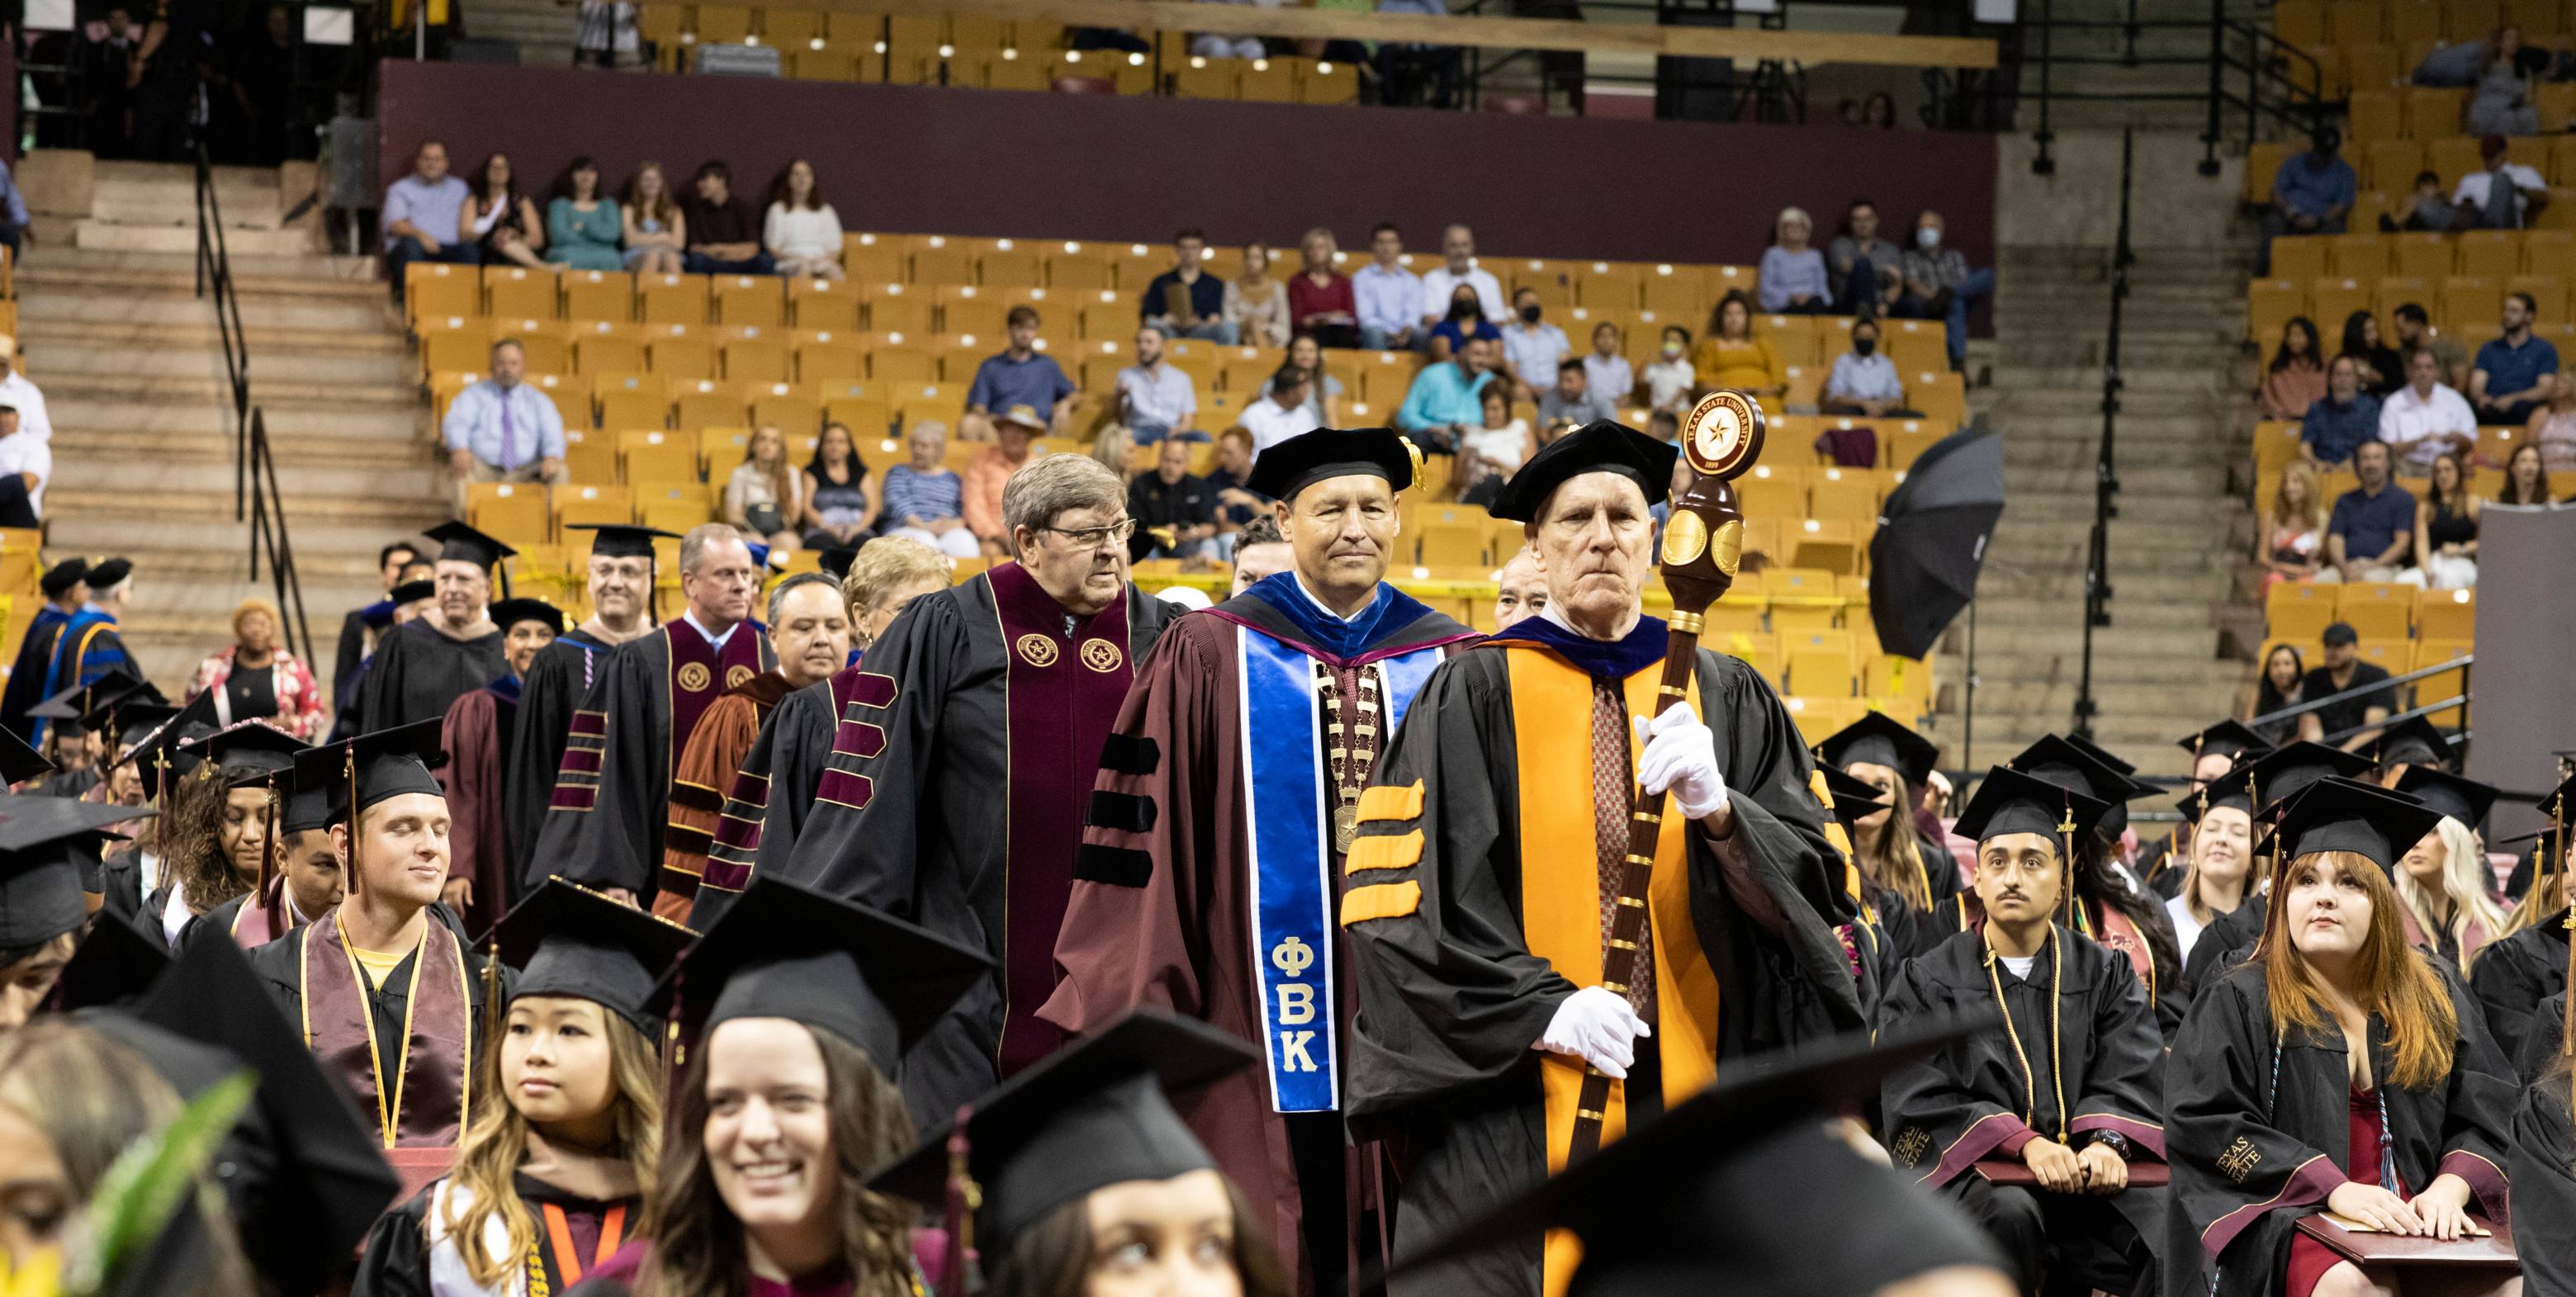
<point>2251,1155</point>
<point>26,686</point>
<point>400,1259</point>
<point>772,792</point>
<point>2091,1046</point>
<point>558,678</point>
<point>1451,994</point>
<point>278,966</point>
<point>2514,974</point>
<point>2543,1166</point>
<point>419,672</point>
<point>2544,1037</point>
<point>2226,942</point>
<point>913,813</point>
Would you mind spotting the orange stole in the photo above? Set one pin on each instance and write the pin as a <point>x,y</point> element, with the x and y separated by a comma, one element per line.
<point>1560,902</point>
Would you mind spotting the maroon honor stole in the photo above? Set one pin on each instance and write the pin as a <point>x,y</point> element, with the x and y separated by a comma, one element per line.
<point>700,674</point>
<point>424,1104</point>
<point>1063,689</point>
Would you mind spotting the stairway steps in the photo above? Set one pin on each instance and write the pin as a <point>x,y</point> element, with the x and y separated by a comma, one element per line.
<point>203,334</point>
<point>322,314</point>
<point>69,364</point>
<point>277,394</point>
<point>155,480</point>
<point>388,423</point>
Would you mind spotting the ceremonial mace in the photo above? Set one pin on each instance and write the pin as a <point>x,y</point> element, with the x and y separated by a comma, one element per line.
<point>1703,538</point>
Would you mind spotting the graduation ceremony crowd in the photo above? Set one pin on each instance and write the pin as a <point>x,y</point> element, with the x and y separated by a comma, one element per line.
<point>859,932</point>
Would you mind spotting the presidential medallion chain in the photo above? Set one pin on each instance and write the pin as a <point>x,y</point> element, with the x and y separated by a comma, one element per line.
<point>1350,744</point>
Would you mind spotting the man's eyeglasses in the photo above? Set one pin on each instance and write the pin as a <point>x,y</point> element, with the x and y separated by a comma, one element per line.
<point>1095,537</point>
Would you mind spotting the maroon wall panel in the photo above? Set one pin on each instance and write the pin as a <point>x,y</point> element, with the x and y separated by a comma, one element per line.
<point>984,162</point>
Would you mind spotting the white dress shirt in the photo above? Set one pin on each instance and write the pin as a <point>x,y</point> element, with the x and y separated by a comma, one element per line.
<point>2477,186</point>
<point>21,453</point>
<point>33,421</point>
<point>1270,423</point>
<point>2417,428</point>
<point>1440,283</point>
<point>714,641</point>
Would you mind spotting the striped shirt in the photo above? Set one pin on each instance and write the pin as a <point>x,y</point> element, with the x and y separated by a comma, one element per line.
<point>911,493</point>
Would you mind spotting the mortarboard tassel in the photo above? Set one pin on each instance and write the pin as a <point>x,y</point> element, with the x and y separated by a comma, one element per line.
<point>965,1198</point>
<point>349,770</point>
<point>268,858</point>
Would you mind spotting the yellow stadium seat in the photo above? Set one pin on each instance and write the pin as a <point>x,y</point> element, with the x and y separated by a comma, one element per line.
<point>2446,615</point>
<point>824,304</point>
<point>2470,300</point>
<point>432,289</point>
<point>1458,544</point>
<point>791,412</point>
<point>722,24</point>
<point>590,456</point>
<point>2434,111</point>
<point>462,350</point>
<point>866,416</point>
<point>2376,610</point>
<point>2550,252</point>
<point>2447,684</point>
<point>592,503</point>
<point>2298,610</point>
<point>515,513</point>
<point>2351,256</point>
<point>2262,164</point>
<point>1825,672</point>
<point>1890,678</point>
<point>2489,254</point>
<point>598,354</point>
<point>2394,291</point>
<point>750,299</point>
<point>656,457</point>
<point>1850,497</point>
<point>1939,395</point>
<point>672,299</point>
<point>681,358</point>
<point>599,295</point>
<point>941,260</point>
<point>517,292</point>
<point>902,365</point>
<point>2420,255</point>
<point>896,308</point>
<point>2376,115</point>
<point>823,358</point>
<point>2269,304</point>
<point>719,449</point>
<point>2330,300</point>
<point>708,406</point>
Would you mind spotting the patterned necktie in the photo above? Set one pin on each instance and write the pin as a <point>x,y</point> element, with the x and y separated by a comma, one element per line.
<point>1613,791</point>
<point>509,435</point>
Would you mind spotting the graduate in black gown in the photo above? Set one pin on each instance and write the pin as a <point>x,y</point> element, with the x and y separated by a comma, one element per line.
<point>135,879</point>
<point>2341,1068</point>
<point>2528,964</point>
<point>1908,875</point>
<point>477,737</point>
<point>2066,1085</point>
<point>2109,905</point>
<point>2543,1169</point>
<point>1869,938</point>
<point>42,912</point>
<point>619,579</point>
<point>553,1171</point>
<point>2274,778</point>
<point>64,593</point>
<point>423,666</point>
<point>2214,752</point>
<point>360,626</point>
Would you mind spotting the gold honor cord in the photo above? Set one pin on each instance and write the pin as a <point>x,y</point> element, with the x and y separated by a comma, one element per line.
<point>2056,1055</point>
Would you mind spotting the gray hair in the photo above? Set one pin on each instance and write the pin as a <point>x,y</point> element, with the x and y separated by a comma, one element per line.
<point>693,547</point>
<point>778,593</point>
<point>1056,485</point>
<point>887,562</point>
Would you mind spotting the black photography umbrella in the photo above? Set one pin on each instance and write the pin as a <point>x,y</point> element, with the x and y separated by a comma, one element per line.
<point>1931,540</point>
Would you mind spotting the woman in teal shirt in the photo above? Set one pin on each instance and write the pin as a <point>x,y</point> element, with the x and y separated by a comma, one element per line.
<point>582,227</point>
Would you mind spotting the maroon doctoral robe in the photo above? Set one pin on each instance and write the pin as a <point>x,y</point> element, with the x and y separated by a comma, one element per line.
<point>476,735</point>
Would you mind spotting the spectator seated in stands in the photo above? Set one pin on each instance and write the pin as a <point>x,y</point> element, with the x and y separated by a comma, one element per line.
<point>924,499</point>
<point>1671,379</point>
<point>1443,405</point>
<point>1532,347</point>
<point>2376,366</point>
<point>1940,286</point>
<point>1388,296</point>
<point>2343,669</point>
<point>840,498</point>
<point>1857,256</point>
<point>1466,320</point>
<point>1256,305</point>
<point>2292,536</point>
<point>2516,374</point>
<point>2459,64</point>
<point>2505,196</point>
<point>801,232</point>
<point>2526,477</point>
<point>1863,381</point>
<point>1570,399</point>
<point>499,220</point>
<point>2502,101</point>
<point>1236,504</point>
<point>582,226</point>
<point>1458,266</point>
<point>1019,374</point>
<point>2428,208</point>
<point>13,214</point>
<point>765,496</point>
<point>1494,450</point>
<point>1186,301</point>
<point>1211,45</point>
<point>2373,525</point>
<point>28,462</point>
<point>2312,193</point>
<point>2446,528</point>
<point>2296,378</point>
<point>656,229</point>
<point>1115,449</point>
<point>1013,427</point>
<point>1416,75</point>
<point>724,233</point>
<point>1604,369</point>
<point>419,216</point>
<point>1155,398</point>
<point>1323,391</point>
<point>1175,508</point>
<point>1321,304</point>
<point>502,430</point>
<point>18,392</point>
<point>2553,430</point>
<point>2345,419</point>
<point>1283,410</point>
<point>2415,332</point>
<point>2425,418</point>
<point>1793,278</point>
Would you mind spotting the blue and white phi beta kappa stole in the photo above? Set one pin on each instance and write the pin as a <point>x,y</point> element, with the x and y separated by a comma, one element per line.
<point>1288,802</point>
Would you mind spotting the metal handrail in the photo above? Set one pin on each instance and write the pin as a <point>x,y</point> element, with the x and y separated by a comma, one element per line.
<point>2460,663</point>
<point>2459,699</point>
<point>2106,478</point>
<point>2253,74</point>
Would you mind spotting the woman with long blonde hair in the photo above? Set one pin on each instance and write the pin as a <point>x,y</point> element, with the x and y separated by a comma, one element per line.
<point>560,1153</point>
<point>2339,1068</point>
<point>765,497</point>
<point>2219,874</point>
<point>2445,881</point>
<point>2292,532</point>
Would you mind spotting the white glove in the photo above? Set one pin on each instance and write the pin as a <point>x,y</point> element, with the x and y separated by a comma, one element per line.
<point>1681,756</point>
<point>1597,1026</point>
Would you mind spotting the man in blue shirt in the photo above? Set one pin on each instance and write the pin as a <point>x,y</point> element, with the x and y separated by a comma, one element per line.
<point>502,430</point>
<point>2517,373</point>
<point>13,227</point>
<point>1019,375</point>
<point>2311,193</point>
<point>1389,296</point>
<point>1185,301</point>
<point>1446,399</point>
<point>2373,524</point>
<point>2337,425</point>
<point>419,216</point>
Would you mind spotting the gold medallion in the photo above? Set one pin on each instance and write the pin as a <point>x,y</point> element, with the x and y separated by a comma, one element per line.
<point>1685,538</point>
<point>695,677</point>
<point>1728,546</point>
<point>1102,656</point>
<point>1037,650</point>
<point>1723,434</point>
<point>1346,826</point>
<point>735,675</point>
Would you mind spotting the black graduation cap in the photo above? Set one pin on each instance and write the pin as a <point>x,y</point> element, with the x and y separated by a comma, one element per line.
<point>2413,741</point>
<point>117,963</point>
<point>2233,790</point>
<point>2465,800</point>
<point>162,746</point>
<point>2102,754</point>
<point>1855,799</point>
<point>247,752</point>
<point>617,540</point>
<point>18,762</point>
<point>79,700</point>
<point>463,544</point>
<point>836,561</point>
<point>42,840</point>
<point>2010,801</point>
<point>1092,1115</point>
<point>1597,447</point>
<point>134,721</point>
<point>2336,814</point>
<point>785,951</point>
<point>2060,761</point>
<point>2284,772</point>
<point>1732,1190</point>
<point>308,805</point>
<point>411,592</point>
<point>568,940</point>
<point>1881,740</point>
<point>389,763</point>
<point>61,577</point>
<point>1310,457</point>
<point>109,572</point>
<point>507,612</point>
<point>2226,738</point>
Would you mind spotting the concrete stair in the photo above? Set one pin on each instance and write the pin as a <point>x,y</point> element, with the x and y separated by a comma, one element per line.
<point>543,29</point>
<point>132,367</point>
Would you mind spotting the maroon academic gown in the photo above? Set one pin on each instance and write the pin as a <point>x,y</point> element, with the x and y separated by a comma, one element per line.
<point>476,735</point>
